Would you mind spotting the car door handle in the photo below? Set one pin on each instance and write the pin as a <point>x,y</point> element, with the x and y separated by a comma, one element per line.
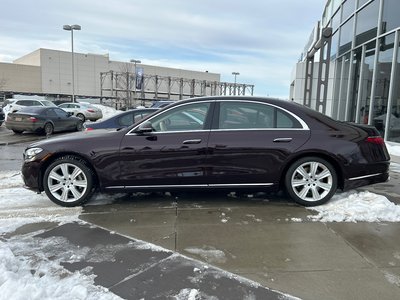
<point>282,140</point>
<point>189,142</point>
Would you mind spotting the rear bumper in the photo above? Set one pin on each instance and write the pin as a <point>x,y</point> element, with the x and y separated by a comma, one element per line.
<point>12,125</point>
<point>365,180</point>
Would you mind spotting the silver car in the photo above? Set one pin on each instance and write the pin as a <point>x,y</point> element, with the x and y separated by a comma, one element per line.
<point>83,111</point>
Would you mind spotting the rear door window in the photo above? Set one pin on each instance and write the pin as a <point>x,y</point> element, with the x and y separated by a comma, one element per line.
<point>251,115</point>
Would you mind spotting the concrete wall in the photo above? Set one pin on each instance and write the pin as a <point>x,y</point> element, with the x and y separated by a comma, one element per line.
<point>20,78</point>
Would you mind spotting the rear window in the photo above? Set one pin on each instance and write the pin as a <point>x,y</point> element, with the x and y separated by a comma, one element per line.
<point>31,109</point>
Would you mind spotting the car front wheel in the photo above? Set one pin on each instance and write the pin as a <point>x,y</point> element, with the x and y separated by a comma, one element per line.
<point>311,181</point>
<point>68,181</point>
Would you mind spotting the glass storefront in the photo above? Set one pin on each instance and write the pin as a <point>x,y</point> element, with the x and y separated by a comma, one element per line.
<point>363,54</point>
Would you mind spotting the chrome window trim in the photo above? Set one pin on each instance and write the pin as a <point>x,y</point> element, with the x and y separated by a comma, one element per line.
<point>300,120</point>
<point>261,129</point>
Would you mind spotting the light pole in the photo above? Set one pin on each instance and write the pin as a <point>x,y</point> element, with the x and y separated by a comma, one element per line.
<point>235,74</point>
<point>135,61</point>
<point>72,28</point>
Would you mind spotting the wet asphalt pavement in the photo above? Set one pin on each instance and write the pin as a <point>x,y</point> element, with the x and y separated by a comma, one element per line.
<point>265,238</point>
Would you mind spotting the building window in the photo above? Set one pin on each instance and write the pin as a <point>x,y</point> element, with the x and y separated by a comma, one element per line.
<point>355,78</point>
<point>343,86</point>
<point>348,8</point>
<point>382,84</point>
<point>390,16</point>
<point>334,45</point>
<point>366,84</point>
<point>367,23</point>
<point>362,2</point>
<point>394,122</point>
<point>346,36</point>
<point>335,21</point>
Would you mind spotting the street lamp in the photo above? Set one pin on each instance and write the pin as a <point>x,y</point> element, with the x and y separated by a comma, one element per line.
<point>72,28</point>
<point>135,61</point>
<point>235,74</point>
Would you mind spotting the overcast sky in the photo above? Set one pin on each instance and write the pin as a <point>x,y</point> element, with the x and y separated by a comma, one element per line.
<point>261,39</point>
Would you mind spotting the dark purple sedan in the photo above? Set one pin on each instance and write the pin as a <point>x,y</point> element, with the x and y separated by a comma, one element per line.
<point>229,143</point>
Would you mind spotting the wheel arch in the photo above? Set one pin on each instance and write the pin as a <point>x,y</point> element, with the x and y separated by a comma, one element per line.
<point>58,155</point>
<point>329,158</point>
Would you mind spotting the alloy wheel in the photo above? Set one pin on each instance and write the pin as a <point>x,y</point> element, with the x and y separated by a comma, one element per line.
<point>312,181</point>
<point>67,182</point>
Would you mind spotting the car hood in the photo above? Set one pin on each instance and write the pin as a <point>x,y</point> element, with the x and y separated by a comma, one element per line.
<point>77,137</point>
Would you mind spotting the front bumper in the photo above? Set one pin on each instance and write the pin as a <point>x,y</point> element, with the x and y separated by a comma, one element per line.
<point>31,175</point>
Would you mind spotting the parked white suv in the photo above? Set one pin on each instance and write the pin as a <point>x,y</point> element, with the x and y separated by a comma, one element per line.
<point>20,103</point>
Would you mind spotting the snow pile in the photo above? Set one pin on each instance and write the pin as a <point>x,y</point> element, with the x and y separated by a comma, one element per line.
<point>209,254</point>
<point>357,207</point>
<point>30,267</point>
<point>25,273</point>
<point>393,149</point>
<point>107,111</point>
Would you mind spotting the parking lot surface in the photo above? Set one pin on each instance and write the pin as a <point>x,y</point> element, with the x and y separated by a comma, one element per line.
<point>263,237</point>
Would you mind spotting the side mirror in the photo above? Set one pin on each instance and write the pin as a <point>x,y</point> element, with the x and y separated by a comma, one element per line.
<point>69,114</point>
<point>146,127</point>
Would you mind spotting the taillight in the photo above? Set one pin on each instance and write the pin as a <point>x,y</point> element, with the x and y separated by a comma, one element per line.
<point>90,110</point>
<point>33,119</point>
<point>88,129</point>
<point>375,140</point>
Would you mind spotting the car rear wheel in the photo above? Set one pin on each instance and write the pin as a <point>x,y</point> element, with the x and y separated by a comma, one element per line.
<point>81,116</point>
<point>68,181</point>
<point>311,181</point>
<point>79,126</point>
<point>48,128</point>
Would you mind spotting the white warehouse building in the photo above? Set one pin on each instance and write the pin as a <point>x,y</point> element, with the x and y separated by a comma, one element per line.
<point>48,73</point>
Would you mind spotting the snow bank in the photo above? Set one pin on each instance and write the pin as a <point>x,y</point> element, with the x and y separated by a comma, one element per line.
<point>393,148</point>
<point>357,207</point>
<point>107,111</point>
<point>25,270</point>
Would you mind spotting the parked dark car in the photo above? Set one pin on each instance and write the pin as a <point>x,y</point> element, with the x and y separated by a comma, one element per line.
<point>42,120</point>
<point>2,116</point>
<point>226,143</point>
<point>121,120</point>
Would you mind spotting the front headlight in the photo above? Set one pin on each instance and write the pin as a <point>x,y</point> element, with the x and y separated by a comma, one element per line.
<point>31,152</point>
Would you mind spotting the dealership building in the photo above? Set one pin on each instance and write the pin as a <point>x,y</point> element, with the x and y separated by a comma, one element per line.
<point>48,73</point>
<point>350,67</point>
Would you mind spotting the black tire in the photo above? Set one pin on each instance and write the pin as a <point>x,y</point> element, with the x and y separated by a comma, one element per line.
<point>311,181</point>
<point>17,131</point>
<point>79,126</point>
<point>48,129</point>
<point>81,116</point>
<point>64,190</point>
